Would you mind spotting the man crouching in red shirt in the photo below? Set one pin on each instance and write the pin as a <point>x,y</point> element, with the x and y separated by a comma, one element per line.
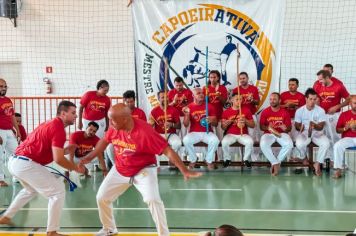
<point>136,144</point>
<point>43,146</point>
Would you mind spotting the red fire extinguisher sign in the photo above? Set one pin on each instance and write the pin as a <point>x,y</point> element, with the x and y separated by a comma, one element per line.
<point>49,69</point>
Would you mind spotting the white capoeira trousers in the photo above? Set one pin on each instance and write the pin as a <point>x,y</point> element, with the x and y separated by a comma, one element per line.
<point>146,182</point>
<point>35,179</point>
<point>339,150</point>
<point>286,146</point>
<point>330,131</point>
<point>302,141</point>
<point>195,137</point>
<point>7,148</point>
<point>229,139</point>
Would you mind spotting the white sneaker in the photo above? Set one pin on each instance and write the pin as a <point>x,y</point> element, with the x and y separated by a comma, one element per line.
<point>106,232</point>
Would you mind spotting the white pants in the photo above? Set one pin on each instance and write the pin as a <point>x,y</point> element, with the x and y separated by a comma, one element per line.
<point>102,125</point>
<point>286,146</point>
<point>146,182</point>
<point>8,147</point>
<point>35,179</point>
<point>229,139</point>
<point>302,141</point>
<point>174,141</point>
<point>330,131</point>
<point>195,137</point>
<point>339,150</point>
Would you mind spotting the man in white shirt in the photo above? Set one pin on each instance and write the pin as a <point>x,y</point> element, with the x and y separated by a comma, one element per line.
<point>310,121</point>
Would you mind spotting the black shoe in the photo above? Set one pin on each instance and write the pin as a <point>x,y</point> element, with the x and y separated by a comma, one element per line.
<point>226,163</point>
<point>298,171</point>
<point>247,163</point>
<point>327,165</point>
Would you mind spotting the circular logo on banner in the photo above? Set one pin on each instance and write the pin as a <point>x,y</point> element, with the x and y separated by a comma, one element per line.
<point>213,37</point>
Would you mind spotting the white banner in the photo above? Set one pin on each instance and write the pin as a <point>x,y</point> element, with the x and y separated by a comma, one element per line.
<point>182,31</point>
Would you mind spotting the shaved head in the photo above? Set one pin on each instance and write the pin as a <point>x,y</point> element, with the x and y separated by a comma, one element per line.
<point>353,103</point>
<point>120,116</point>
<point>3,87</point>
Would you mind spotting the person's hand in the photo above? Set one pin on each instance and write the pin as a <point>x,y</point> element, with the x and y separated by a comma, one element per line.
<point>84,161</point>
<point>333,110</point>
<point>105,172</point>
<point>283,127</point>
<point>241,122</point>
<point>227,122</point>
<point>80,168</point>
<point>168,125</point>
<point>312,125</point>
<point>353,126</point>
<point>18,136</point>
<point>188,174</point>
<point>186,110</point>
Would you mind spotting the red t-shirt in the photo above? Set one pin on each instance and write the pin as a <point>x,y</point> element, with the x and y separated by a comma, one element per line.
<point>297,98</point>
<point>275,119</point>
<point>38,145</point>
<point>214,98</point>
<point>345,118</point>
<point>136,149</point>
<point>317,84</point>
<point>185,97</point>
<point>331,95</point>
<point>231,114</point>
<point>85,145</point>
<point>6,113</point>
<point>245,93</point>
<point>138,114</point>
<point>197,112</point>
<point>158,114</point>
<point>95,107</point>
<point>22,132</point>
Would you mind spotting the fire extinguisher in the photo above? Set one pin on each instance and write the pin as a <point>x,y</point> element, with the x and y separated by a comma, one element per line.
<point>48,85</point>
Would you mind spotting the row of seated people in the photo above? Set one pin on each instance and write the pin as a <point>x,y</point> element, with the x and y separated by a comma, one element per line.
<point>276,121</point>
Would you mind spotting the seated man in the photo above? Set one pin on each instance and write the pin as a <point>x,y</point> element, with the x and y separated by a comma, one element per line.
<point>309,121</point>
<point>84,142</point>
<point>346,125</point>
<point>166,126</point>
<point>276,123</point>
<point>235,127</point>
<point>193,114</point>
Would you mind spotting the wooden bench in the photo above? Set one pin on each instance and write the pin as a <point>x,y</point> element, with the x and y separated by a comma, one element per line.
<point>311,146</point>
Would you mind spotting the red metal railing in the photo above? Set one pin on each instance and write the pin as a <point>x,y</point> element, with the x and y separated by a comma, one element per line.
<point>35,110</point>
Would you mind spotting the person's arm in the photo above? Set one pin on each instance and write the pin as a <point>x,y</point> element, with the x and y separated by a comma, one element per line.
<point>59,158</point>
<point>213,121</point>
<point>225,123</point>
<point>80,119</point>
<point>250,123</point>
<point>102,164</point>
<point>186,120</point>
<point>70,150</point>
<point>99,149</point>
<point>317,126</point>
<point>334,109</point>
<point>14,123</point>
<point>340,130</point>
<point>299,126</point>
<point>174,158</point>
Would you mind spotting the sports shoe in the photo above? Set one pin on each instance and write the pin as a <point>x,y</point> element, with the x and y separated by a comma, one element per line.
<point>106,232</point>
<point>226,163</point>
<point>247,163</point>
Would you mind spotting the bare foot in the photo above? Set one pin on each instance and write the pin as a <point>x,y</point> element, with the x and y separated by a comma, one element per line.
<point>317,169</point>
<point>3,184</point>
<point>275,170</point>
<point>191,165</point>
<point>337,174</point>
<point>306,162</point>
<point>211,166</point>
<point>54,233</point>
<point>5,221</point>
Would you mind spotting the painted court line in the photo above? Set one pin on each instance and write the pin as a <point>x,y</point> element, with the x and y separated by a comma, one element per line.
<point>206,189</point>
<point>200,209</point>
